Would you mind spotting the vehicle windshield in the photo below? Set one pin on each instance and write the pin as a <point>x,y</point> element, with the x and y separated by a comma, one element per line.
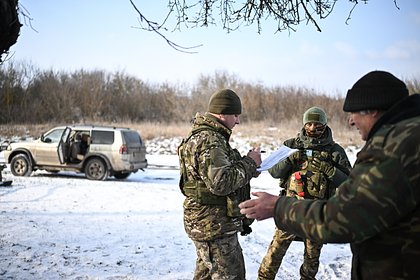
<point>53,136</point>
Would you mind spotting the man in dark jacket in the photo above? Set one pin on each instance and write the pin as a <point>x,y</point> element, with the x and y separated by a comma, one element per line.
<point>377,208</point>
<point>312,173</point>
<point>215,179</point>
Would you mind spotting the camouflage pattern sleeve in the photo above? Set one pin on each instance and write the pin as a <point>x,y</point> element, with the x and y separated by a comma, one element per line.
<point>222,170</point>
<point>378,194</point>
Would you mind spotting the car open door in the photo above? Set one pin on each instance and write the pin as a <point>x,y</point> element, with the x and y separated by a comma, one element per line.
<point>63,146</point>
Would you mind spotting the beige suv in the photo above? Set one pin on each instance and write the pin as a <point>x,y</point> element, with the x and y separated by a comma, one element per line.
<point>97,151</point>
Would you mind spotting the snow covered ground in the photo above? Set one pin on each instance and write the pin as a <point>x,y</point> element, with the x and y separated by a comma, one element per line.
<point>63,226</point>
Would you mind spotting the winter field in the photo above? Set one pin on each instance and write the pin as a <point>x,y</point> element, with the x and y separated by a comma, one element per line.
<point>63,226</point>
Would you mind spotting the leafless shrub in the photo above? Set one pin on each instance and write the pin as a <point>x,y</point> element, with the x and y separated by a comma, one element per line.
<point>29,96</point>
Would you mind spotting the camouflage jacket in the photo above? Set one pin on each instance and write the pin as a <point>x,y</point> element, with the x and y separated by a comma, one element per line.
<point>377,208</point>
<point>209,161</point>
<point>311,147</point>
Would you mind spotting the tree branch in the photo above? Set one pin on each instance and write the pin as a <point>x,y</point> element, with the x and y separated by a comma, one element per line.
<point>155,27</point>
<point>288,14</point>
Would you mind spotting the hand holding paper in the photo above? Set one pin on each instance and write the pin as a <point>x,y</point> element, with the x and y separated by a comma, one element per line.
<point>279,155</point>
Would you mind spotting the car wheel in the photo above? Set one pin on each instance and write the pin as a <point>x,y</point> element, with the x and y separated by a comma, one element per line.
<point>20,165</point>
<point>121,175</point>
<point>96,169</point>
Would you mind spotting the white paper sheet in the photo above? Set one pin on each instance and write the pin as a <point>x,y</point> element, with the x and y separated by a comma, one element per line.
<point>279,155</point>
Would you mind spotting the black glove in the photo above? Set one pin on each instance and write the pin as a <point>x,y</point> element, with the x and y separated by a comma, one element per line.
<point>323,166</point>
<point>246,230</point>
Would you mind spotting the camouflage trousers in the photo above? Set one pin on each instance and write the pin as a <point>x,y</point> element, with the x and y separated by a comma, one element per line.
<point>276,251</point>
<point>219,259</point>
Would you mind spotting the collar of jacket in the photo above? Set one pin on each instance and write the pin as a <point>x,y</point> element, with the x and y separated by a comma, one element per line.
<point>407,108</point>
<point>313,143</point>
<point>208,121</point>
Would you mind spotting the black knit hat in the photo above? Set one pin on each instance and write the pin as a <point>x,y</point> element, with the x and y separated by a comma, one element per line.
<point>225,102</point>
<point>376,90</point>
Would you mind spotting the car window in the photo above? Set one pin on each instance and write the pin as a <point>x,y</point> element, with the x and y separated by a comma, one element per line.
<point>77,134</point>
<point>54,136</point>
<point>102,137</point>
<point>131,137</point>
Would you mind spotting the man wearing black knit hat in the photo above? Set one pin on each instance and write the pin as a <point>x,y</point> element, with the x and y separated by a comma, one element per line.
<point>215,179</point>
<point>377,209</point>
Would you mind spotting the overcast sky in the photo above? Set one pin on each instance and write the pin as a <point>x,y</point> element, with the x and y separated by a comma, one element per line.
<point>95,34</point>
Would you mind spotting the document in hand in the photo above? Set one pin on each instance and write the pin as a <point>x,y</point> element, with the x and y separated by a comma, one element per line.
<point>279,155</point>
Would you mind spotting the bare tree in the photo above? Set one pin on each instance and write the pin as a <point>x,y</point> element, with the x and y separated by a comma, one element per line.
<point>287,14</point>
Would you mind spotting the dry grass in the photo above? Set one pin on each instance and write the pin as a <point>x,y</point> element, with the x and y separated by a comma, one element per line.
<point>345,136</point>
<point>262,132</point>
<point>24,130</point>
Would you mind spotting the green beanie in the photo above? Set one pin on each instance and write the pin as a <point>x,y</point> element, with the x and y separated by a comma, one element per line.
<point>225,102</point>
<point>315,114</point>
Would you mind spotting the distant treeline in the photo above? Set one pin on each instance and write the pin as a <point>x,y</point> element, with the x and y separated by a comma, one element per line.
<point>32,96</point>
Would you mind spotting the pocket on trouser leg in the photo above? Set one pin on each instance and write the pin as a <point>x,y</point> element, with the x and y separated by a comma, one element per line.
<point>227,258</point>
<point>272,260</point>
<point>203,263</point>
<point>310,265</point>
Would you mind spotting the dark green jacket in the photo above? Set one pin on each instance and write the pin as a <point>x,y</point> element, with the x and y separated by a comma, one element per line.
<point>209,160</point>
<point>336,157</point>
<point>377,208</point>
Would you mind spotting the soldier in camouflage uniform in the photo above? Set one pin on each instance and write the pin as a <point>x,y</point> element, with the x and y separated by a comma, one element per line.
<point>215,179</point>
<point>377,209</point>
<point>313,173</point>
